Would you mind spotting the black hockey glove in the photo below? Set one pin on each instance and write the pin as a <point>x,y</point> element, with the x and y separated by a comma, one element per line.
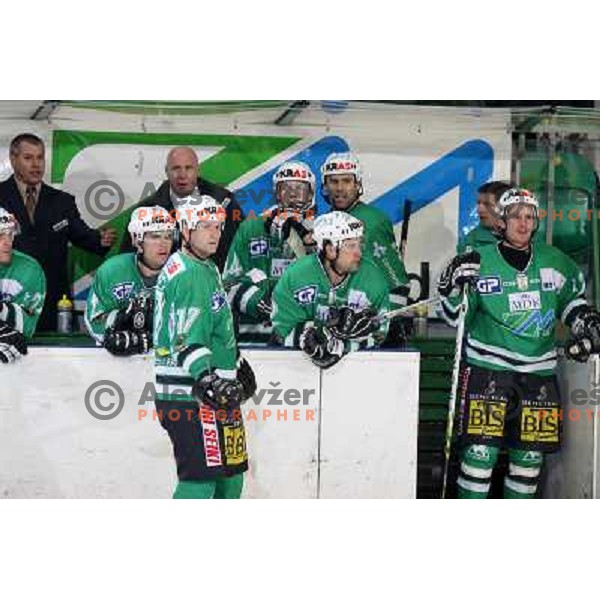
<point>462,270</point>
<point>265,306</point>
<point>245,375</point>
<point>12,344</point>
<point>322,347</point>
<point>218,393</point>
<point>587,324</point>
<point>345,323</point>
<point>126,343</point>
<point>580,349</point>
<point>137,315</point>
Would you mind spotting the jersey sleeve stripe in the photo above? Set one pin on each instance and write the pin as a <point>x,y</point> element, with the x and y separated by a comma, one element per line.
<point>250,292</point>
<point>566,317</point>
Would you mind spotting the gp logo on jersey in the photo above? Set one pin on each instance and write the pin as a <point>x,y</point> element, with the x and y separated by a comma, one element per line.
<point>306,295</point>
<point>122,291</point>
<point>218,301</point>
<point>524,301</point>
<point>489,285</point>
<point>258,247</point>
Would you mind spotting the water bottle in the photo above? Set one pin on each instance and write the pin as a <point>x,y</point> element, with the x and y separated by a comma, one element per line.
<point>65,315</point>
<point>420,322</point>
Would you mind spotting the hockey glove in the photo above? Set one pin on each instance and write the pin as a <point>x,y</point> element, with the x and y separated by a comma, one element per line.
<point>137,315</point>
<point>12,344</point>
<point>322,347</point>
<point>126,343</point>
<point>587,324</point>
<point>245,375</point>
<point>218,393</point>
<point>265,307</point>
<point>345,323</point>
<point>580,349</point>
<point>462,270</point>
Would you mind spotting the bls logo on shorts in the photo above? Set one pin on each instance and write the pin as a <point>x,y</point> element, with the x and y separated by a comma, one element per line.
<point>306,295</point>
<point>122,291</point>
<point>218,301</point>
<point>258,247</point>
<point>489,285</point>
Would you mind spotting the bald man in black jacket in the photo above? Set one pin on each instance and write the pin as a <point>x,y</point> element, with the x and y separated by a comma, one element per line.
<point>183,180</point>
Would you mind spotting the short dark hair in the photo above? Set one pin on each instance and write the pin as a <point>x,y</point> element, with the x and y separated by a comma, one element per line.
<point>30,138</point>
<point>496,188</point>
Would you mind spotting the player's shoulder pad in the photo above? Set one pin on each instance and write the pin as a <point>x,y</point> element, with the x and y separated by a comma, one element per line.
<point>28,264</point>
<point>372,273</point>
<point>374,214</point>
<point>119,261</point>
<point>553,256</point>
<point>302,268</point>
<point>174,267</point>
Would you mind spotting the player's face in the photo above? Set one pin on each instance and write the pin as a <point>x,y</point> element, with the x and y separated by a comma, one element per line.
<point>349,256</point>
<point>182,171</point>
<point>342,190</point>
<point>156,248</point>
<point>6,244</point>
<point>295,195</point>
<point>520,224</point>
<point>486,210</point>
<point>29,163</point>
<point>205,238</point>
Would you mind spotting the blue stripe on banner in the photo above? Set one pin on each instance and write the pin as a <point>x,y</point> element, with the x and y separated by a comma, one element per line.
<point>258,194</point>
<point>467,167</point>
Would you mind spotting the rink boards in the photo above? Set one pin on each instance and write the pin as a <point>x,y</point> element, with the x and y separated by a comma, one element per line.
<point>78,423</point>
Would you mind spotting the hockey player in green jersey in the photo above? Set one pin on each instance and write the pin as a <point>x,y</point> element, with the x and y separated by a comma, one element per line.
<point>200,380</point>
<point>264,247</point>
<point>342,184</point>
<point>331,302</point>
<point>119,308</point>
<point>517,291</point>
<point>482,235</point>
<point>22,293</point>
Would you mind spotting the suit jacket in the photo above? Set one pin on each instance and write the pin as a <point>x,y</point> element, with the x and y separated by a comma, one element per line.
<point>56,223</point>
<point>222,195</point>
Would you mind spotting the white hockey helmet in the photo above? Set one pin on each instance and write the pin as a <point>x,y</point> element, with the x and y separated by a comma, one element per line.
<point>335,227</point>
<point>193,210</point>
<point>516,196</point>
<point>341,163</point>
<point>149,218</point>
<point>8,223</point>
<point>296,170</point>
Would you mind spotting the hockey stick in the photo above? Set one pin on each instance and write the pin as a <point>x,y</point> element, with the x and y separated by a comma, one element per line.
<point>460,332</point>
<point>296,244</point>
<point>405,223</point>
<point>406,310</point>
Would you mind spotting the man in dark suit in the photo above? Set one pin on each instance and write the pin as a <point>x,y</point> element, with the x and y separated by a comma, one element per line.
<point>49,220</point>
<point>183,180</point>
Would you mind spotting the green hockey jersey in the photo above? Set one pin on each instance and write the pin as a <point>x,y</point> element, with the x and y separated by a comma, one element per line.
<point>304,295</point>
<point>116,281</point>
<point>22,293</point>
<point>193,326</point>
<point>255,263</point>
<point>510,323</point>
<point>381,248</point>
<point>480,236</point>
